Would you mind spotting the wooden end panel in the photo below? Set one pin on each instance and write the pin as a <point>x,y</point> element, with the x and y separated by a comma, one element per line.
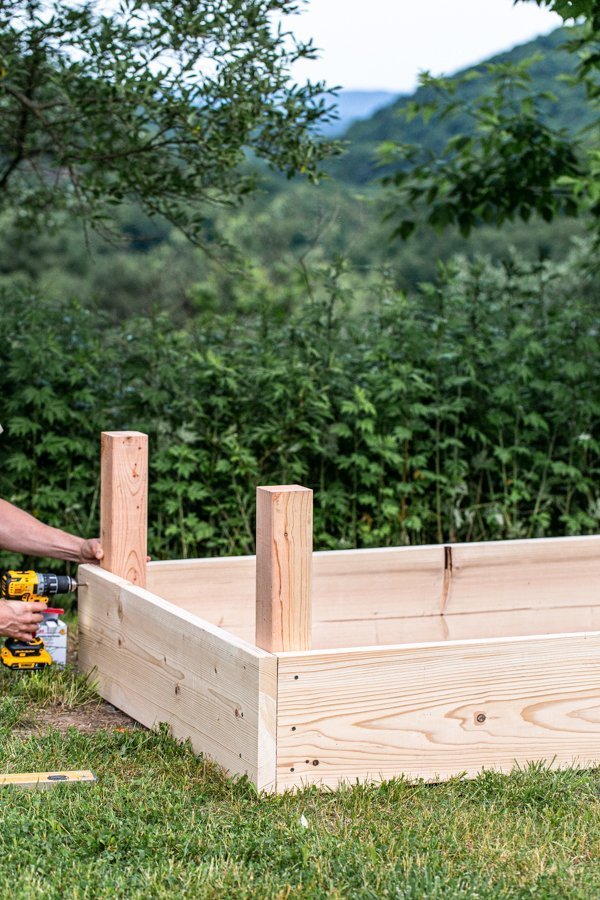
<point>436,711</point>
<point>161,664</point>
<point>221,590</point>
<point>532,574</point>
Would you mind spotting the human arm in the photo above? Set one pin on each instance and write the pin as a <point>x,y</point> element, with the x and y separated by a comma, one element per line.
<point>21,532</point>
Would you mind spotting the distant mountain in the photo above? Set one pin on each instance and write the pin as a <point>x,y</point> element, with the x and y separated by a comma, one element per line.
<point>570,111</point>
<point>355,105</point>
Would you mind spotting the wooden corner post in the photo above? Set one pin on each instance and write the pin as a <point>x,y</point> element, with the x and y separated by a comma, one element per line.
<point>284,524</point>
<point>124,504</point>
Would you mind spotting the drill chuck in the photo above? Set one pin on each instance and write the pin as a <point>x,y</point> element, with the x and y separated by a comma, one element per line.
<point>49,584</point>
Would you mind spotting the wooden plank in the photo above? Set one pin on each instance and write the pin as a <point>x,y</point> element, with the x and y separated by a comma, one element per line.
<point>221,590</point>
<point>531,574</point>
<point>495,623</point>
<point>123,504</point>
<point>283,567</point>
<point>378,584</point>
<point>395,595</point>
<point>409,581</point>
<point>424,629</point>
<point>347,584</point>
<point>437,710</point>
<point>160,664</point>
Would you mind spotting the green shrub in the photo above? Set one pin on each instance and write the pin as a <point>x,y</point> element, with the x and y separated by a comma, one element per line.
<point>468,411</point>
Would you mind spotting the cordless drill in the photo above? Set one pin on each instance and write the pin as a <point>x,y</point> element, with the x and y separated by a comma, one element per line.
<point>30,587</point>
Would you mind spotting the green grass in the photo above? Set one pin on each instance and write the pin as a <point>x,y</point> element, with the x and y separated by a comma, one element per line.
<point>161,822</point>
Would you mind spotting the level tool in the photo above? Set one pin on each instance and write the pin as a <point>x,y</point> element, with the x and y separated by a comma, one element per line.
<point>47,779</point>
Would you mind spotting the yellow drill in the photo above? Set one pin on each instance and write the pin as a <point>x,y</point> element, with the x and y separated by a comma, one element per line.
<point>30,587</point>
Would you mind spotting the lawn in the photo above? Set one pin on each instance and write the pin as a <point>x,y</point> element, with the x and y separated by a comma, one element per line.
<point>162,822</point>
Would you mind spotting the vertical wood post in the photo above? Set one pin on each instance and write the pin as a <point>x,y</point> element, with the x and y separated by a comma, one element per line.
<point>284,567</point>
<point>124,504</point>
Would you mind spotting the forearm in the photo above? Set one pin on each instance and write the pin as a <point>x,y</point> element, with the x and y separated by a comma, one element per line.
<point>22,533</point>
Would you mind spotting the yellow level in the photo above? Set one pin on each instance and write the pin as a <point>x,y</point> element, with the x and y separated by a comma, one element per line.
<point>47,779</point>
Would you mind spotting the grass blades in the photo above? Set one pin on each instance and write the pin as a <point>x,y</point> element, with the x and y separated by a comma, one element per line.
<point>161,821</point>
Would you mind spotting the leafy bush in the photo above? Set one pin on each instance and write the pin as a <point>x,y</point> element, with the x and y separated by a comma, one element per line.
<point>467,411</point>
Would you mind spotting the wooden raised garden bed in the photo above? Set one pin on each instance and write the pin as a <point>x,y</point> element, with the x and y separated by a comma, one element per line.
<point>297,667</point>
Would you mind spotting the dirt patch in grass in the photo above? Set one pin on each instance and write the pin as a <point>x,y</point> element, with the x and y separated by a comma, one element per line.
<point>65,710</point>
<point>87,719</point>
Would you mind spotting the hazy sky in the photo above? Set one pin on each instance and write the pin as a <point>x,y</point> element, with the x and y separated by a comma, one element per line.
<point>385,43</point>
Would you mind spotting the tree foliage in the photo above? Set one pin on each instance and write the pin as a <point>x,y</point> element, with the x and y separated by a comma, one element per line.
<point>511,163</point>
<point>155,101</point>
<point>468,410</point>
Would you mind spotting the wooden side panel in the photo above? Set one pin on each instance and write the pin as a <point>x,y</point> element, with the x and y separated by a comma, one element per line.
<point>124,503</point>
<point>492,624</point>
<point>378,584</point>
<point>534,574</point>
<point>398,595</point>
<point>437,710</point>
<point>351,588</point>
<point>160,664</point>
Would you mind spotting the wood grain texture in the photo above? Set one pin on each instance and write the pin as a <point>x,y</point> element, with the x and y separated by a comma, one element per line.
<point>397,594</point>
<point>438,710</point>
<point>352,589</point>
<point>160,664</point>
<point>124,504</point>
<point>221,600</point>
<point>531,574</point>
<point>220,589</point>
<point>284,567</point>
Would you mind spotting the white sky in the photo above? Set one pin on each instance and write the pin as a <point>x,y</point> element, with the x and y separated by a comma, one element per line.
<point>384,44</point>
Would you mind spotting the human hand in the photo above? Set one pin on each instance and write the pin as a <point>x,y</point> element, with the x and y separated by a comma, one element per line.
<point>91,551</point>
<point>20,620</point>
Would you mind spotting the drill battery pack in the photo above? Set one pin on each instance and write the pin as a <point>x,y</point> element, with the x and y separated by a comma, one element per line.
<point>25,654</point>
